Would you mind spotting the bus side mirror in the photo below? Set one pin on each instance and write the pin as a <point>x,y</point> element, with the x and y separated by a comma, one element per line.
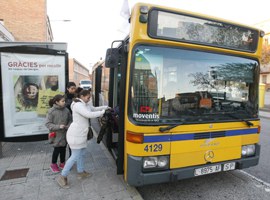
<point>112,58</point>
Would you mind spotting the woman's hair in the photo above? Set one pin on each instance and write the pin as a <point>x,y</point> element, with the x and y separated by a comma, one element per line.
<point>55,99</point>
<point>78,90</point>
<point>70,84</point>
<point>84,93</point>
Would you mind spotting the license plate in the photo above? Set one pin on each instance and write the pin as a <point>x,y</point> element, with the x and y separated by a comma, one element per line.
<point>214,168</point>
<point>207,170</point>
<point>229,166</point>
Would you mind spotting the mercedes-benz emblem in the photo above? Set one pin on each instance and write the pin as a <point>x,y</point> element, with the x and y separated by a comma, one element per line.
<point>209,155</point>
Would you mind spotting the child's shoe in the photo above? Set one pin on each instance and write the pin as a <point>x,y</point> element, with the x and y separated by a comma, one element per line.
<point>62,165</point>
<point>54,168</point>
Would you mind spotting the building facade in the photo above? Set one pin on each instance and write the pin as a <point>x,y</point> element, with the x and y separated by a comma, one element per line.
<point>26,20</point>
<point>77,71</point>
<point>265,76</point>
<point>5,35</point>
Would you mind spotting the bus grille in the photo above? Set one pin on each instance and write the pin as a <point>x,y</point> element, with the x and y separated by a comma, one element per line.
<point>199,136</point>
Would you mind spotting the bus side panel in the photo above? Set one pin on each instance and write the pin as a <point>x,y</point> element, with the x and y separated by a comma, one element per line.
<point>250,139</point>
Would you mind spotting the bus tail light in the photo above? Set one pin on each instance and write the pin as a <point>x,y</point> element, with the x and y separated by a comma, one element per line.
<point>135,137</point>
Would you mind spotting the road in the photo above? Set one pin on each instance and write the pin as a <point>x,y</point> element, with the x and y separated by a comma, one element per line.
<point>251,184</point>
<point>262,171</point>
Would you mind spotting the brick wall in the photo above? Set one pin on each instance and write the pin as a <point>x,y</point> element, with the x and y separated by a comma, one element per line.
<point>25,19</point>
<point>77,71</point>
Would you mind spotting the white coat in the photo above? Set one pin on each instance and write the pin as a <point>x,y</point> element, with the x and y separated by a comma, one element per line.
<point>77,131</point>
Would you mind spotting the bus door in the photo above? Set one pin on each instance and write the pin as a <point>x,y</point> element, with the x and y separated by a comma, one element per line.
<point>117,88</point>
<point>96,85</point>
<point>103,90</point>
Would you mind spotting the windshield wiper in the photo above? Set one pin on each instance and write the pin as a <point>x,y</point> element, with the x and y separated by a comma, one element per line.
<point>169,127</point>
<point>241,119</point>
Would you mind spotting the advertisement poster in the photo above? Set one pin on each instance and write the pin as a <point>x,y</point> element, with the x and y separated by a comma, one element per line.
<point>28,82</point>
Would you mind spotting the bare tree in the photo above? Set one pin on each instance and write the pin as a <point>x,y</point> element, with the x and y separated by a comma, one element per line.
<point>265,54</point>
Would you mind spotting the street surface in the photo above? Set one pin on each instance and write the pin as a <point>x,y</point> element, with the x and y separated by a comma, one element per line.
<point>220,186</point>
<point>251,184</point>
<point>262,171</point>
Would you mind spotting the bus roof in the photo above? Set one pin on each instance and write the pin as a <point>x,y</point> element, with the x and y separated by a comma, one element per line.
<point>197,14</point>
<point>188,27</point>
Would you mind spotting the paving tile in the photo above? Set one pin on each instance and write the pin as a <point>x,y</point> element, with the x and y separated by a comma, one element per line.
<point>117,196</point>
<point>40,183</point>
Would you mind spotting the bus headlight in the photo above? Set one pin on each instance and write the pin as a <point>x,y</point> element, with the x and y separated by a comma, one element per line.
<point>150,162</point>
<point>155,163</point>
<point>248,150</point>
<point>162,161</point>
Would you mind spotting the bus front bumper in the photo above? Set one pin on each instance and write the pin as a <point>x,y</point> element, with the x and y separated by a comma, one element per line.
<point>135,176</point>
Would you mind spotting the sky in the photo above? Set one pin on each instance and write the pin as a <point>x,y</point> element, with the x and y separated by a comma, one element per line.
<point>95,24</point>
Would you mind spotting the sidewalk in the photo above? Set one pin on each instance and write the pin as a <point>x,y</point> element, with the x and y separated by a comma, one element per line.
<point>265,112</point>
<point>38,183</point>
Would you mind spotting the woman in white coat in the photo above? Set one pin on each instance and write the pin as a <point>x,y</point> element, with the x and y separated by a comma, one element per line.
<point>77,135</point>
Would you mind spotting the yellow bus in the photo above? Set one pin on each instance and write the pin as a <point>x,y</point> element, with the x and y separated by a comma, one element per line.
<point>186,86</point>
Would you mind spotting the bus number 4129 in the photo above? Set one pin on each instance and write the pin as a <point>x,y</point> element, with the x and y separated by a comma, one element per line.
<point>153,148</point>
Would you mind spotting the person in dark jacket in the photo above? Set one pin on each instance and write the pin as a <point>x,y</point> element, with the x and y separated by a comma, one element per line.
<point>69,96</point>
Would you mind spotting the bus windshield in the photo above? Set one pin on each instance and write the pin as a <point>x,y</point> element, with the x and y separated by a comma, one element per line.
<point>178,85</point>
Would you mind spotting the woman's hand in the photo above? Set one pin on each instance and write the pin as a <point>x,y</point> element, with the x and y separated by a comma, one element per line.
<point>102,112</point>
<point>62,126</point>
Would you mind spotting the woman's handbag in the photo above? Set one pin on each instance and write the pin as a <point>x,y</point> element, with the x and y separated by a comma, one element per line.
<point>90,133</point>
